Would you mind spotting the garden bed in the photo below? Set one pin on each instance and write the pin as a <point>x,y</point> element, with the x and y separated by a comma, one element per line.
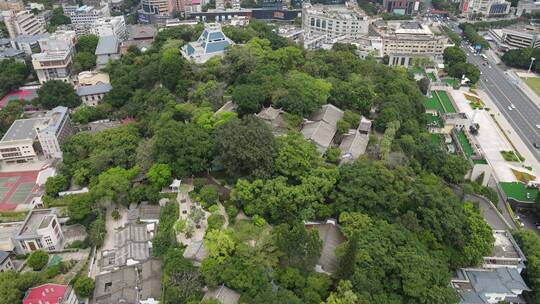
<point>523,177</point>
<point>511,156</point>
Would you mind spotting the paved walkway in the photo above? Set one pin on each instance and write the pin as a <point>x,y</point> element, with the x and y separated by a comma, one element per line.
<point>491,215</point>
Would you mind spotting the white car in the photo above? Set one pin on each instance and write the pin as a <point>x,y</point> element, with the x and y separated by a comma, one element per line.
<point>513,106</point>
<point>538,126</point>
<point>509,108</point>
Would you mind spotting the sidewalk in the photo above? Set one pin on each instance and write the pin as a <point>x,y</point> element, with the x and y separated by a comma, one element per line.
<point>525,89</point>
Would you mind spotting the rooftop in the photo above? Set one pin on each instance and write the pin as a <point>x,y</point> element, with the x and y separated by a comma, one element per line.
<point>107,45</point>
<point>99,88</point>
<point>46,293</point>
<point>347,11</point>
<point>138,32</point>
<point>31,39</point>
<point>3,256</point>
<point>122,285</point>
<point>22,129</point>
<point>223,294</point>
<point>331,237</point>
<point>35,220</point>
<point>7,232</point>
<point>211,42</point>
<point>321,127</point>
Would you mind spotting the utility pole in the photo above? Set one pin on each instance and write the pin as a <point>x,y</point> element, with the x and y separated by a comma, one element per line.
<point>530,66</point>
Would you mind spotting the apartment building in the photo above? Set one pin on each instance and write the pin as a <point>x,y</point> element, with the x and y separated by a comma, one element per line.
<point>110,26</point>
<point>402,41</point>
<point>56,58</point>
<point>25,138</point>
<point>334,21</point>
<point>5,262</point>
<point>28,43</point>
<point>157,7</point>
<point>486,8</point>
<point>527,7</point>
<point>40,231</point>
<point>22,23</point>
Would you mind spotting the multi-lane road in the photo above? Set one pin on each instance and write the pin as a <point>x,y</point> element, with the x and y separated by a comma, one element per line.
<point>521,112</point>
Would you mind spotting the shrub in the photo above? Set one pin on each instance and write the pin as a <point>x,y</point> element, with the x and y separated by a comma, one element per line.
<point>115,215</point>
<point>52,271</point>
<point>209,195</point>
<point>84,287</point>
<point>232,212</point>
<point>198,183</point>
<point>258,220</point>
<point>37,260</point>
<point>215,221</point>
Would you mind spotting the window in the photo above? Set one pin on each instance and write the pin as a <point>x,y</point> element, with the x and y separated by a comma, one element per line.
<point>38,241</point>
<point>48,241</point>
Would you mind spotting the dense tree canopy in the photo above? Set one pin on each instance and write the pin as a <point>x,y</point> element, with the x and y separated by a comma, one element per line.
<point>12,75</point>
<point>55,93</point>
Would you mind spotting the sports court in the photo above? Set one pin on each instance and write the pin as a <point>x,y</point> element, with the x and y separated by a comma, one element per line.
<point>18,95</point>
<point>15,187</point>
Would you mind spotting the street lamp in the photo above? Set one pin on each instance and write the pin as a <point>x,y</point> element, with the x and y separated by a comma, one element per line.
<point>530,66</point>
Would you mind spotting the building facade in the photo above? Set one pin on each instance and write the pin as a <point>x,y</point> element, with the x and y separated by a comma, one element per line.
<point>84,17</point>
<point>401,7</point>
<point>334,21</point>
<point>486,8</point>
<point>527,7</point>
<point>516,38</point>
<point>5,262</point>
<point>28,43</point>
<point>93,94</point>
<point>110,26</point>
<point>11,5</point>
<point>56,58</point>
<point>22,23</point>
<point>402,41</point>
<point>211,43</point>
<point>53,130</point>
<point>40,231</point>
<point>157,7</point>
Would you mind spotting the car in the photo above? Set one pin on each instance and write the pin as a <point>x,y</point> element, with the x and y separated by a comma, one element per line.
<point>509,108</point>
<point>513,106</point>
<point>536,145</point>
<point>538,126</point>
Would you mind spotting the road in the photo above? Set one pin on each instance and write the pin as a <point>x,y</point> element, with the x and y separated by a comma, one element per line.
<point>518,109</point>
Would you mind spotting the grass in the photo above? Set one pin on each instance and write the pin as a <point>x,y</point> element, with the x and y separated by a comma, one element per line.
<point>519,191</point>
<point>12,216</point>
<point>418,70</point>
<point>523,176</point>
<point>445,101</point>
<point>434,121</point>
<point>464,143</point>
<point>533,83</point>
<point>433,104</point>
<point>510,156</point>
<point>479,161</point>
<point>437,139</point>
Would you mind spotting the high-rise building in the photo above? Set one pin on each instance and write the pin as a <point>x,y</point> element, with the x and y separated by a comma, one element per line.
<point>157,7</point>
<point>11,5</point>
<point>22,23</point>
<point>84,17</point>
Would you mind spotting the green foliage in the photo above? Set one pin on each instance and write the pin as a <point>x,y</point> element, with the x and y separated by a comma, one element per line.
<point>159,175</point>
<point>245,147</point>
<point>343,126</point>
<point>454,54</point>
<point>97,231</point>
<point>12,75</point>
<point>185,147</point>
<point>302,94</point>
<point>114,185</point>
<point>452,35</point>
<point>13,285</point>
<point>80,206</point>
<point>388,138</point>
<point>165,239</point>
<point>333,155</point>
<point>87,43</point>
<point>84,287</point>
<point>529,242</point>
<point>343,295</point>
<point>472,35</point>
<point>209,195</point>
<point>301,248</point>
<point>215,221</point>
<point>521,58</point>
<point>479,239</point>
<point>249,98</point>
<point>86,114</point>
<point>84,61</point>
<point>296,156</point>
<point>10,112</point>
<point>55,184</point>
<point>55,93</point>
<point>58,17</point>
<point>37,260</point>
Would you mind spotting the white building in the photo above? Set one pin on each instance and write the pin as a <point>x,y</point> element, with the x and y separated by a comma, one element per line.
<point>527,36</point>
<point>27,43</point>
<point>93,94</point>
<point>84,17</point>
<point>110,26</point>
<point>527,7</point>
<point>334,21</point>
<point>212,42</point>
<point>25,137</point>
<point>403,41</point>
<point>40,231</point>
<point>56,58</point>
<point>485,8</point>
<point>22,23</point>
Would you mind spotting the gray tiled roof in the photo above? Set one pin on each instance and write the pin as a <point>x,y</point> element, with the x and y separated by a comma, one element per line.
<point>107,45</point>
<point>30,39</point>
<point>100,88</point>
<point>321,127</point>
<point>3,256</point>
<point>22,129</point>
<point>223,294</point>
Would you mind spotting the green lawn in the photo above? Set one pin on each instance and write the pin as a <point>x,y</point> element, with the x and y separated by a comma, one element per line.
<point>480,161</point>
<point>433,104</point>
<point>464,143</point>
<point>434,120</point>
<point>432,76</point>
<point>437,139</point>
<point>417,70</point>
<point>533,83</point>
<point>445,101</point>
<point>519,192</point>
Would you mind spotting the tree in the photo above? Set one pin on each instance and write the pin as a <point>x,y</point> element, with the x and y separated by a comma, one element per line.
<point>303,94</point>
<point>97,231</point>
<point>172,68</point>
<point>114,185</point>
<point>301,248</point>
<point>58,17</point>
<point>344,294</point>
<point>55,184</point>
<point>12,75</point>
<point>9,113</point>
<point>296,156</point>
<point>245,147</point>
<point>423,84</point>
<point>209,194</point>
<point>345,271</point>
<point>84,287</point>
<point>249,98</point>
<point>187,148</point>
<point>480,238</point>
<point>529,242</point>
<point>219,244</point>
<point>87,43</point>
<point>80,206</point>
<point>84,61</point>
<point>37,260</point>
<point>159,175</point>
<point>55,93</point>
<point>453,55</point>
